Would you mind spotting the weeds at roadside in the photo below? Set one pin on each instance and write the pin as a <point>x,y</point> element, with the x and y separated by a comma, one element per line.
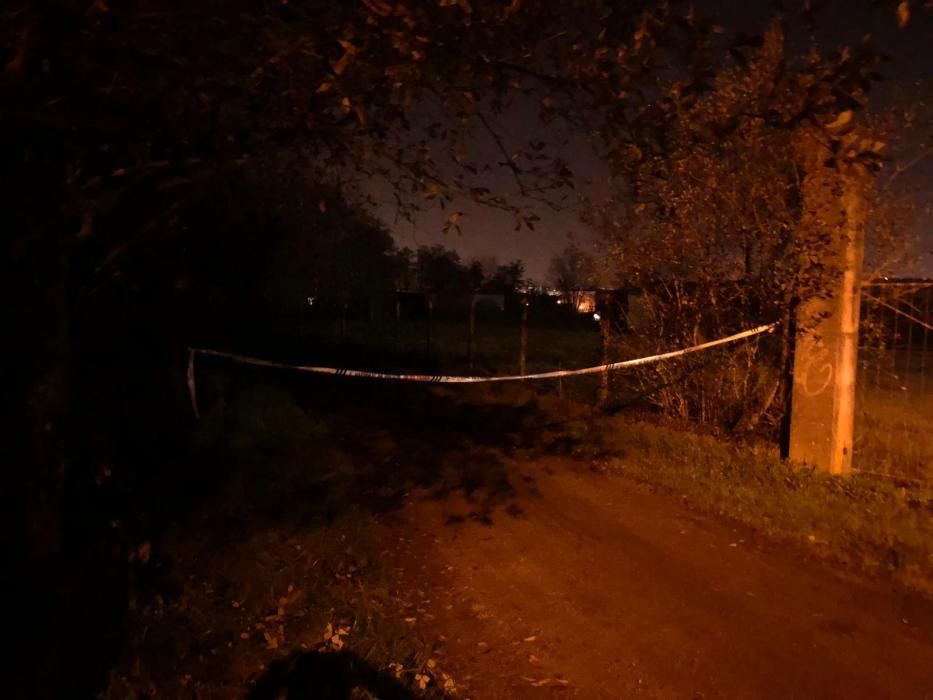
<point>868,524</point>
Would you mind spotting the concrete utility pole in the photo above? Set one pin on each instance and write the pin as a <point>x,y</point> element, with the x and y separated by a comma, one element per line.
<point>826,346</point>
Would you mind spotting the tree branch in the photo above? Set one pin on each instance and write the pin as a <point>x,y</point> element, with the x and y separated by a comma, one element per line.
<point>902,167</point>
<point>516,171</point>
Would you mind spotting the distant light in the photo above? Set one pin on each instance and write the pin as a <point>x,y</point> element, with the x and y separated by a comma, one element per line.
<point>311,301</point>
<point>560,301</point>
<point>596,317</point>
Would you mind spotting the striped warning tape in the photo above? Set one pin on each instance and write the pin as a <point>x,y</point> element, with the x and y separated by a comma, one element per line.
<point>447,379</point>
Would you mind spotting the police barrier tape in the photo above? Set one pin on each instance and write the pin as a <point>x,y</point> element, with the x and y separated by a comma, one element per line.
<point>447,379</point>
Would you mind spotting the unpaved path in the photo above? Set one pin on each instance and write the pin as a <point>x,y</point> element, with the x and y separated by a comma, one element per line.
<point>595,587</point>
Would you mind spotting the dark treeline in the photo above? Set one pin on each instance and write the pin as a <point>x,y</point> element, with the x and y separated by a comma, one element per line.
<point>249,260</point>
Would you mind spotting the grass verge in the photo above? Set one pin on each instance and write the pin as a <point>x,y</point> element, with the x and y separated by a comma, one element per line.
<point>869,524</point>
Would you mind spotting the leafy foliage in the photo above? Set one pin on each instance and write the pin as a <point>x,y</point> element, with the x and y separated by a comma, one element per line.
<point>714,223</point>
<point>160,94</point>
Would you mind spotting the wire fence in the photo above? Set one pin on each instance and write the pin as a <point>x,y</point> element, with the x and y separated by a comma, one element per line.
<point>449,341</point>
<point>894,420</point>
<point>894,413</point>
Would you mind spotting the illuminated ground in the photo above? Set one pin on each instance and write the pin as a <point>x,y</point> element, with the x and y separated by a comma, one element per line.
<point>606,590</point>
<point>508,545</point>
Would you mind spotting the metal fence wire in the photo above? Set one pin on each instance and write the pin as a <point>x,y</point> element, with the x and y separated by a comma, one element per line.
<point>894,420</point>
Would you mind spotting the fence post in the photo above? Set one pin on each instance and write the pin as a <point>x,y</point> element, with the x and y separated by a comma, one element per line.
<point>826,352</point>
<point>471,338</point>
<point>604,376</point>
<point>881,336</point>
<point>927,293</point>
<point>343,318</point>
<point>895,304</point>
<point>427,332</point>
<point>398,320</point>
<point>524,347</point>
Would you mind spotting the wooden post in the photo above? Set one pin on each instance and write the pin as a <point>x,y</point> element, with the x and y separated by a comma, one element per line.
<point>604,376</point>
<point>926,331</point>
<point>427,332</point>
<point>471,338</point>
<point>825,356</point>
<point>398,320</point>
<point>524,346</point>
<point>881,333</point>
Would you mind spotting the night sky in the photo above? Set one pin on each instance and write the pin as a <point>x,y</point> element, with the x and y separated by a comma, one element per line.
<point>487,232</point>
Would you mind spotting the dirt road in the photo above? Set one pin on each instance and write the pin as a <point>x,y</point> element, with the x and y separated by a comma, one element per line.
<point>591,586</point>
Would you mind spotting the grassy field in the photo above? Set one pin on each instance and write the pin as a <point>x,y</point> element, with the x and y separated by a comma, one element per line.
<point>894,416</point>
<point>894,419</point>
<point>497,342</point>
<point>894,409</point>
<point>894,434</point>
<point>405,348</point>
